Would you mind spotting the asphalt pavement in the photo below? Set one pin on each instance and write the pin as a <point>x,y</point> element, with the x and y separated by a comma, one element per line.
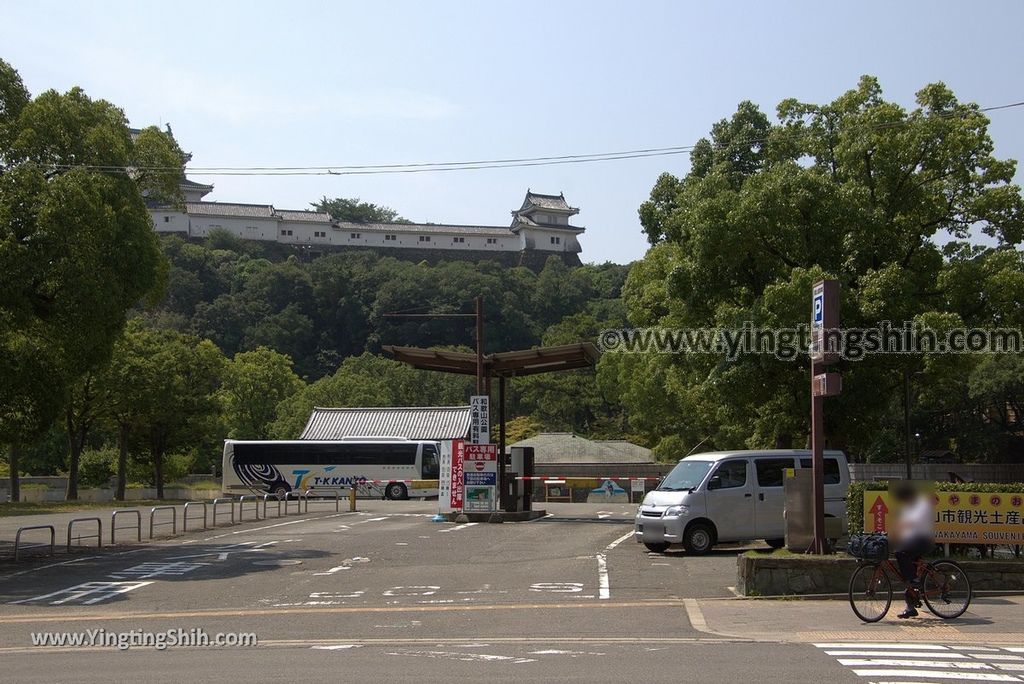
<point>385,594</point>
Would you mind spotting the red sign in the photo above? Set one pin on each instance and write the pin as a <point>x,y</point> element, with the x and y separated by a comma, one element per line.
<point>878,511</point>
<point>458,456</point>
<point>479,465</point>
<point>481,452</point>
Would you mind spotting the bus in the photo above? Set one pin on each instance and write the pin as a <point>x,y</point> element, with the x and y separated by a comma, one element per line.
<point>393,468</point>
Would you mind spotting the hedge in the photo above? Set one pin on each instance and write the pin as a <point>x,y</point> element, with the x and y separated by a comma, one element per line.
<point>855,497</point>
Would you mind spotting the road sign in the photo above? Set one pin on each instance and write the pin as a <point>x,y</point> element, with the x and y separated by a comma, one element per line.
<point>824,321</point>
<point>480,419</point>
<point>481,477</point>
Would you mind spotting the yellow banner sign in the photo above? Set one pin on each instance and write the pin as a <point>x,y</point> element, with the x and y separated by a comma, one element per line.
<point>960,517</point>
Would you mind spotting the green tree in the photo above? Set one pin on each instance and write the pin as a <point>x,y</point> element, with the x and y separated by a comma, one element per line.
<point>77,249</point>
<point>254,384</point>
<point>354,211</point>
<point>857,189</point>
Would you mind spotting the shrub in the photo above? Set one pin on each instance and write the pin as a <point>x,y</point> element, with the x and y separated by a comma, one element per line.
<point>96,467</point>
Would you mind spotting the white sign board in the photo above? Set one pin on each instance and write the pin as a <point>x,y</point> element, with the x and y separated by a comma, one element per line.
<point>444,485</point>
<point>637,484</point>
<point>480,419</point>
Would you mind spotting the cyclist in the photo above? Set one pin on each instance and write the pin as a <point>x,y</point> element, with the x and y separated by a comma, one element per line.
<point>914,534</point>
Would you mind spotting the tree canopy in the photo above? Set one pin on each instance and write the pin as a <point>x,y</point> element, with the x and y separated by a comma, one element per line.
<point>859,189</point>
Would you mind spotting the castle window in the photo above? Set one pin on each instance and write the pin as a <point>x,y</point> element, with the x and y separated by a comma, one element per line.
<point>167,219</point>
<point>459,240</point>
<point>556,240</point>
<point>390,238</point>
<point>424,238</point>
<point>356,236</point>
<point>492,241</point>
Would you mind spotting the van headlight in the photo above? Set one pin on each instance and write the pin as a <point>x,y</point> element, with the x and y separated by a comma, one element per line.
<point>676,511</point>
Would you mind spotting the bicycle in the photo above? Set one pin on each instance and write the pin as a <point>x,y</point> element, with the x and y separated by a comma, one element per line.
<point>945,588</point>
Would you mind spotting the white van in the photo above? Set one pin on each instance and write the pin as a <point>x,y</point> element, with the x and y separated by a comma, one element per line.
<point>728,496</point>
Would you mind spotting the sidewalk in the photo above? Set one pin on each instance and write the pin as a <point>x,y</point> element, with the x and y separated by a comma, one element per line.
<point>991,619</point>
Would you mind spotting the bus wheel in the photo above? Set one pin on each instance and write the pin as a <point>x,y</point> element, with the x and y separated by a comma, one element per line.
<point>280,491</point>
<point>396,491</point>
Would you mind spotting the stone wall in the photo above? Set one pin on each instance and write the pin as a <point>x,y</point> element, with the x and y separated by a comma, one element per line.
<point>770,575</point>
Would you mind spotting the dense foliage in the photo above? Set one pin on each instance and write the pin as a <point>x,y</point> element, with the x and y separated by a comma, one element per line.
<point>861,190</point>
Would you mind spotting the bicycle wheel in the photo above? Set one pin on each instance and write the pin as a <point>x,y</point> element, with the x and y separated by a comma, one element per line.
<point>947,589</point>
<point>870,592</point>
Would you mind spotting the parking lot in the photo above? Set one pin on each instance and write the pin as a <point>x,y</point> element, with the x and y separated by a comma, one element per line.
<point>385,589</point>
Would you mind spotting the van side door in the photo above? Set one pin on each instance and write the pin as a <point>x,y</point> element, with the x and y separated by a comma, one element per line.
<point>730,501</point>
<point>770,500</point>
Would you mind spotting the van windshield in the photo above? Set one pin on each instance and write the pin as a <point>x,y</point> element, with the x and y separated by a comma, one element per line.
<point>686,475</point>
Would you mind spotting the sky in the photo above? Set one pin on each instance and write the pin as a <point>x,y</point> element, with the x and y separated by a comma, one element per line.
<point>377,82</point>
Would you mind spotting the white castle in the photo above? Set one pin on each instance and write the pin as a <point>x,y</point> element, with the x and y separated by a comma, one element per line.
<point>539,228</point>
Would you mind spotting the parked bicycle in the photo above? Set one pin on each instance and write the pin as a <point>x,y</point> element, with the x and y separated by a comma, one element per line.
<point>945,586</point>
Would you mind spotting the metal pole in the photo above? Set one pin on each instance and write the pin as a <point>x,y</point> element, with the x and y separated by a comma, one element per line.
<point>479,344</point>
<point>906,423</point>
<point>818,545</point>
<point>503,502</point>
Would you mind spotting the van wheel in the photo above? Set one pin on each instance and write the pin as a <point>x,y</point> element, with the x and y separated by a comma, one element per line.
<point>396,491</point>
<point>775,543</point>
<point>657,547</point>
<point>698,539</point>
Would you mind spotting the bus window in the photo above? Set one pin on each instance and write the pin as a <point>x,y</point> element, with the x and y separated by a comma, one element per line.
<point>431,468</point>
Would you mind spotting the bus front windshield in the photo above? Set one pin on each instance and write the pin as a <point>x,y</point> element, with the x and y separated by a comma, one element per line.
<point>686,475</point>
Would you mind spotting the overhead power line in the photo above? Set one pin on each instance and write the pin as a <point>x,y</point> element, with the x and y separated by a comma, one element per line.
<point>478,164</point>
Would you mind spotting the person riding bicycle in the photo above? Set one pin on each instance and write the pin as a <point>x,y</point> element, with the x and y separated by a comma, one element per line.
<point>914,535</point>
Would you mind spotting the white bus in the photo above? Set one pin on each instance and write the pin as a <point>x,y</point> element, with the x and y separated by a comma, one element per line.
<point>390,467</point>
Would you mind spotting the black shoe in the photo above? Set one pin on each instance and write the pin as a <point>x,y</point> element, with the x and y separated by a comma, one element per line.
<point>908,613</point>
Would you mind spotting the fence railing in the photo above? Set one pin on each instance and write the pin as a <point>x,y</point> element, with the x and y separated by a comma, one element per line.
<point>173,522</point>
<point>293,496</point>
<point>185,517</point>
<point>17,537</point>
<point>266,499</point>
<point>336,494</point>
<point>113,523</point>
<point>99,531</point>
<point>241,506</point>
<point>221,502</point>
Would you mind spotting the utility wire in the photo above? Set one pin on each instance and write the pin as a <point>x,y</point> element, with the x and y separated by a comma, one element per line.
<point>513,162</point>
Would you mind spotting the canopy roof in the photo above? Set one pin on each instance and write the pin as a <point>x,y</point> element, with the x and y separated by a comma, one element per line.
<point>501,364</point>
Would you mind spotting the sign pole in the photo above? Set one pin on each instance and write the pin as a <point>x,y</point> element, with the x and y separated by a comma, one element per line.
<point>824,324</point>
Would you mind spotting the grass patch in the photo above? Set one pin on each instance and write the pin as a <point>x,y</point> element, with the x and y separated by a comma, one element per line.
<point>10,509</point>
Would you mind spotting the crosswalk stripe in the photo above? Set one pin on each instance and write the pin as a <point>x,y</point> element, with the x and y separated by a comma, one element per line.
<point>907,645</point>
<point>892,654</point>
<point>895,662</point>
<point>937,674</point>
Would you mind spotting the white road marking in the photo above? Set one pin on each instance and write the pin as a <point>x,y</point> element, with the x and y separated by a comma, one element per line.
<point>896,662</point>
<point>478,657</point>
<point>458,527</point>
<point>938,674</point>
<point>150,570</point>
<point>906,654</point>
<point>338,647</point>
<point>911,645</point>
<point>93,592</point>
<point>571,654</point>
<point>413,590</point>
<point>557,587</point>
<point>926,661</point>
<point>44,567</point>
<point>603,581</point>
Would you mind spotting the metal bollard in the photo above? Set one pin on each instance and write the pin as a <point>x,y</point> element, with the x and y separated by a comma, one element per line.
<point>352,499</point>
